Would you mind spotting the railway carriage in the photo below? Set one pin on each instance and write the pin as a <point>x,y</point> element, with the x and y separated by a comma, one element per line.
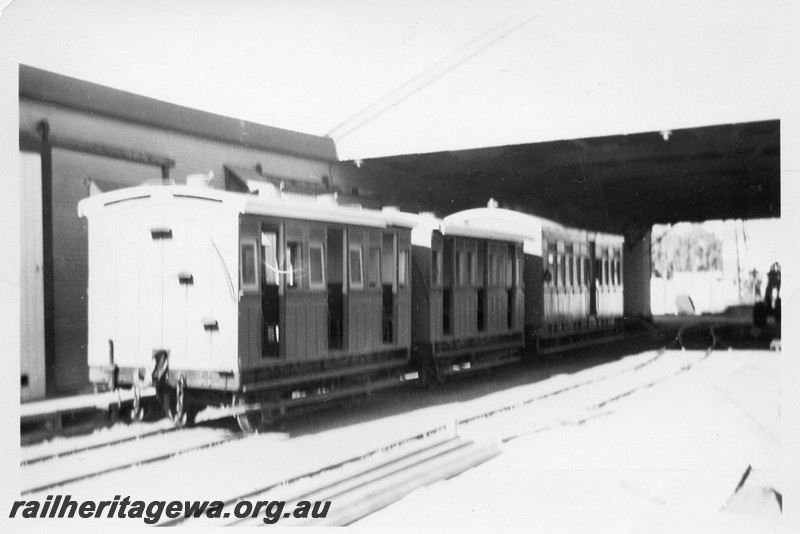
<point>467,295</point>
<point>572,279</point>
<point>264,302</point>
<point>269,301</point>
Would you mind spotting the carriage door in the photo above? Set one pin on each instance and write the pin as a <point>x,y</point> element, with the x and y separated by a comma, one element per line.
<point>388,275</point>
<point>335,279</point>
<point>593,274</point>
<point>448,281</point>
<point>270,292</point>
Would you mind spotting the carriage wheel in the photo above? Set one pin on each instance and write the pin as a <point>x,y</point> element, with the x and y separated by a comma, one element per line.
<point>252,421</point>
<point>173,403</point>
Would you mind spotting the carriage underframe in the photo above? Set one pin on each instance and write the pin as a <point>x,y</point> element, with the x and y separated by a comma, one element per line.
<point>258,397</point>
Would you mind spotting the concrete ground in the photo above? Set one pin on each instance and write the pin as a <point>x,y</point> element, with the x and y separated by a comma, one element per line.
<point>698,452</point>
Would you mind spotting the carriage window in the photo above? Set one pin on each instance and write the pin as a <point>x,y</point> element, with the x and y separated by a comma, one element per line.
<point>471,267</point>
<point>618,270</point>
<point>598,272</point>
<point>248,265</point>
<point>586,272</point>
<point>436,268</point>
<point>510,267</point>
<point>556,270</point>
<point>402,268</point>
<point>388,259</point>
<point>374,266</point>
<point>269,251</point>
<point>552,265</point>
<point>294,263</point>
<point>356,273</point>
<point>316,272</point>
<point>612,265</point>
<point>569,278</point>
<point>492,268</point>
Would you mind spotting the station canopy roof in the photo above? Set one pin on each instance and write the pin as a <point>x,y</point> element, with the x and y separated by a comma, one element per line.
<point>612,183</point>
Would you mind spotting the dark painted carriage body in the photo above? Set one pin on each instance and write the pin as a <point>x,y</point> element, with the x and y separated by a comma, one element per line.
<point>572,290</point>
<point>468,300</point>
<point>341,304</point>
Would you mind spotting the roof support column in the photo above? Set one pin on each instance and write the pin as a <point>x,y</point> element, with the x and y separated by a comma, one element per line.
<point>636,263</point>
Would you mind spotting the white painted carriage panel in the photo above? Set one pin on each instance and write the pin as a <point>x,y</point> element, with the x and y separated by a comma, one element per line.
<point>222,251</point>
<point>123,267</point>
<point>175,296</point>
<point>199,319</point>
<point>151,284</point>
<point>136,298</point>
<point>101,292</point>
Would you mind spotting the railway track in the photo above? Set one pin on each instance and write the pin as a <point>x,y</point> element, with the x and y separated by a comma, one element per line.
<point>369,481</point>
<point>596,393</point>
<point>48,471</point>
<point>372,487</point>
<point>356,489</point>
<point>67,447</point>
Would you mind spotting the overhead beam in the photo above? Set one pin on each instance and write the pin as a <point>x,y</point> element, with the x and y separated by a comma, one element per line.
<point>98,149</point>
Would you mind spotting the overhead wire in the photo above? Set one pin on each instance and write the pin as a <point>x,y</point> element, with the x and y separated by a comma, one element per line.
<point>428,76</point>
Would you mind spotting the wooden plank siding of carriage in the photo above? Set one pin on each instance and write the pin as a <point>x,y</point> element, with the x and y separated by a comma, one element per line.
<point>250,315</point>
<point>496,292</point>
<point>403,292</point>
<point>306,309</point>
<point>364,304</point>
<point>492,274</point>
<point>579,264</point>
<point>566,288</point>
<point>610,287</point>
<point>304,328</point>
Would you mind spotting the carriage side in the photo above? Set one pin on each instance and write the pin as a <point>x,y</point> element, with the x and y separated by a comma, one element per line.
<point>260,304</point>
<point>325,309</point>
<point>468,299</point>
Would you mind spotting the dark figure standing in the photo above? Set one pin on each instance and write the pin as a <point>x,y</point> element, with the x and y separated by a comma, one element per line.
<point>772,299</point>
<point>773,283</point>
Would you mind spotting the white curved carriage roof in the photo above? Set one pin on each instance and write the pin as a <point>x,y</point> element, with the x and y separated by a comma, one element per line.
<point>498,221</point>
<point>503,224</point>
<point>424,224</point>
<point>290,206</point>
<point>522,225</point>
